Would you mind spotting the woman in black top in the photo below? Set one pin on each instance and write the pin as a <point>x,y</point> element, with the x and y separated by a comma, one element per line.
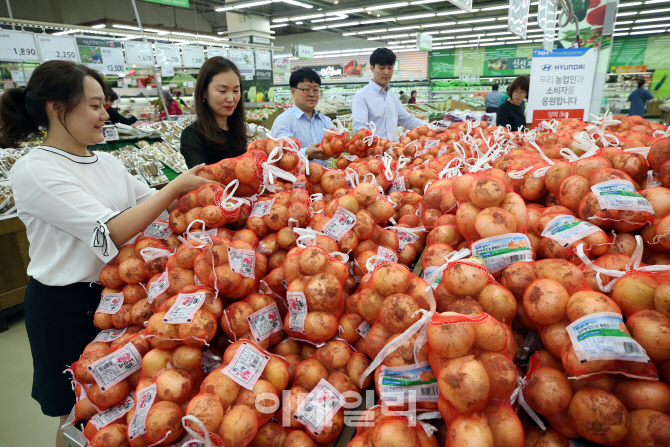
<point>114,115</point>
<point>511,111</point>
<point>220,130</point>
<point>412,97</point>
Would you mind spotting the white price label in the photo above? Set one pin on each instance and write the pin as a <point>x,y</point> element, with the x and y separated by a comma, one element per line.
<point>299,185</point>
<point>17,46</point>
<point>297,311</point>
<point>110,303</point>
<point>158,287</point>
<point>158,229</point>
<point>246,366</point>
<point>341,222</point>
<point>139,53</point>
<point>205,236</point>
<point>427,144</point>
<point>363,329</point>
<point>167,55</point>
<point>262,208</point>
<point>60,48</point>
<point>403,384</point>
<point>217,51</point>
<point>104,55</point>
<point>499,252</point>
<point>184,307</point>
<point>244,60</point>
<point>265,322</point>
<point>104,418</point>
<point>566,229</point>
<point>398,185</point>
<point>263,60</point>
<point>387,254</point>
<point>145,399</point>
<point>406,238</point>
<point>111,369</point>
<point>319,407</point>
<point>108,335</point>
<point>620,195</point>
<point>167,70</point>
<point>192,56</point>
<point>242,261</point>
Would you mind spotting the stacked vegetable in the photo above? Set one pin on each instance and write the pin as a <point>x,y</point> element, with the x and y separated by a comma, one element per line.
<point>281,290</point>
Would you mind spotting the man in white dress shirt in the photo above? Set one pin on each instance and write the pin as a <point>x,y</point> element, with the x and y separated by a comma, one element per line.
<point>375,102</point>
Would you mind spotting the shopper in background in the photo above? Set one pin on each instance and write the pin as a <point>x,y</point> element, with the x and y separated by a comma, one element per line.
<point>78,206</point>
<point>302,121</point>
<point>492,99</point>
<point>412,98</point>
<point>377,103</point>
<point>172,106</point>
<point>179,99</point>
<point>511,111</point>
<point>114,115</point>
<point>638,99</point>
<point>402,96</point>
<point>220,130</point>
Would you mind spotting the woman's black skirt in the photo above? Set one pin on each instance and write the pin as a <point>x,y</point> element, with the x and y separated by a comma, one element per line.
<point>59,321</point>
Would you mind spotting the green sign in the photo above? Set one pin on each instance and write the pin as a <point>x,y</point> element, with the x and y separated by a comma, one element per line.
<point>180,3</point>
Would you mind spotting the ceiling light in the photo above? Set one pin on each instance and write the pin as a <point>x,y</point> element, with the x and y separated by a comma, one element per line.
<point>397,36</point>
<point>619,34</point>
<point>347,11</point>
<point>656,19</point>
<point>348,34</point>
<point>625,23</point>
<point>134,28</point>
<point>62,33</point>
<point>463,22</point>
<point>483,28</point>
<point>623,14</point>
<point>330,19</point>
<point>626,5</point>
<point>508,38</point>
<point>319,27</point>
<point>654,11</point>
<point>337,25</point>
<point>481,40</point>
<point>100,25</point>
<point>296,3</point>
<point>375,31</point>
<point>649,2</point>
<point>493,8</point>
<point>444,38</point>
<point>433,25</point>
<point>176,33</point>
<point>402,28</point>
<point>227,8</point>
<point>459,11</point>
<point>312,16</point>
<point>423,2</point>
<point>391,6</point>
<point>279,26</point>
<point>659,25</point>
<point>648,32</point>
<point>627,29</point>
<point>285,19</point>
<point>298,23</point>
<point>417,16</point>
<point>249,5</point>
<point>498,34</point>
<point>367,22</point>
<point>456,30</point>
<point>374,38</point>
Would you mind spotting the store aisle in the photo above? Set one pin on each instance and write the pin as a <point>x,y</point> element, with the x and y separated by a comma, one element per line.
<point>21,421</point>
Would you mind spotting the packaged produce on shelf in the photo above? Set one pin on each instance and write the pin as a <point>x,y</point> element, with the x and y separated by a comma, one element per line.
<point>512,284</point>
<point>142,164</point>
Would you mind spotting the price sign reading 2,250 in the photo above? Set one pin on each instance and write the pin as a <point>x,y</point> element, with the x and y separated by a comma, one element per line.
<point>65,54</point>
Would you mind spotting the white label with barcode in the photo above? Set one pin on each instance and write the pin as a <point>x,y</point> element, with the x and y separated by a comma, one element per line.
<point>602,336</point>
<point>145,399</point>
<point>299,185</point>
<point>104,418</point>
<point>184,308</point>
<point>108,335</point>
<point>205,236</point>
<point>110,303</point>
<point>265,322</point>
<point>499,252</point>
<point>246,366</point>
<point>403,384</point>
<point>158,287</point>
<point>319,407</point>
<point>158,229</point>
<point>363,329</point>
<point>242,261</point>
<point>111,369</point>
<point>339,224</point>
<point>262,208</point>
<point>387,254</point>
<point>566,229</point>
<point>427,144</point>
<point>620,195</point>
<point>405,238</point>
<point>297,311</point>
<point>398,185</point>
<point>442,151</point>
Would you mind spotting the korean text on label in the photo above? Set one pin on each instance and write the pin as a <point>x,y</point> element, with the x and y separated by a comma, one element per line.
<point>184,308</point>
<point>110,303</point>
<point>499,252</point>
<point>145,399</point>
<point>319,407</point>
<point>341,222</point>
<point>297,311</point>
<point>246,366</point>
<point>566,229</point>
<point>158,229</point>
<point>242,261</point>
<point>265,322</point>
<point>158,287</point>
<point>111,369</point>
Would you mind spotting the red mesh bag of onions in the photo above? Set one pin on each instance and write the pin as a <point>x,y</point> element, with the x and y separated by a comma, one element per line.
<point>258,317</point>
<point>385,428</point>
<point>335,140</point>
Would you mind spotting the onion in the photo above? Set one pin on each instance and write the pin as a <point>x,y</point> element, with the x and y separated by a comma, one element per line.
<point>555,337</point>
<point>648,428</point>
<point>561,423</point>
<point>634,292</point>
<point>652,330</point>
<point>501,372</point>
<point>545,301</point>
<point>489,335</point>
<point>643,394</point>
<point>464,383</point>
<point>546,359</point>
<point>470,431</point>
<point>598,416</point>
<point>548,391</point>
<point>535,437</point>
<point>394,433</point>
<point>505,426</point>
<point>451,340</point>
<point>589,302</point>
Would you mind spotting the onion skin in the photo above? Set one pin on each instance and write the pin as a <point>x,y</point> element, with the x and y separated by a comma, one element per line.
<point>505,426</point>
<point>471,431</point>
<point>648,428</point>
<point>652,330</point>
<point>548,391</point>
<point>464,383</point>
<point>598,416</point>
<point>643,394</point>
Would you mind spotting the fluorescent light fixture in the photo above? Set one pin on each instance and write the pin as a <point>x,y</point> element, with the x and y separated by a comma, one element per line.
<point>330,19</point>
<point>423,2</point>
<point>456,30</point>
<point>403,28</point>
<point>279,25</point>
<point>626,5</point>
<point>312,16</point>
<point>619,34</point>
<point>373,31</point>
<point>508,38</point>
<point>625,23</point>
<point>249,5</point>
<point>659,25</point>
<point>69,31</point>
<point>484,28</point>
<point>481,40</point>
<point>444,38</point>
<point>319,27</point>
<point>397,36</point>
<point>432,32</point>
<point>417,16</point>
<point>648,32</point>
<point>348,11</point>
<point>498,34</point>
<point>368,22</point>
<point>463,22</point>
<point>285,19</point>
<point>623,14</point>
<point>177,33</point>
<point>649,2</point>
<point>627,29</point>
<point>654,11</point>
<point>374,38</point>
<point>159,31</point>
<point>433,25</point>
<point>338,25</point>
<point>493,8</point>
<point>348,34</point>
<point>452,13</point>
<point>293,2</point>
<point>226,8</point>
<point>391,6</point>
<point>298,23</point>
<point>657,19</point>
<point>134,28</point>
<point>99,25</point>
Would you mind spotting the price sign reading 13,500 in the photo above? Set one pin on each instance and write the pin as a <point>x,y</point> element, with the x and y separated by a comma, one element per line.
<point>116,68</point>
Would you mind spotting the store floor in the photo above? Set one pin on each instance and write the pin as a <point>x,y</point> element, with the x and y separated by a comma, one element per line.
<point>22,423</point>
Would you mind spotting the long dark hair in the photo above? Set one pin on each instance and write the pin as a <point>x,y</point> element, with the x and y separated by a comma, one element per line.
<point>236,140</point>
<point>23,111</point>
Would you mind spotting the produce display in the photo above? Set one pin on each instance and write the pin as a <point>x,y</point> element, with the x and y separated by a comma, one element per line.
<point>494,289</point>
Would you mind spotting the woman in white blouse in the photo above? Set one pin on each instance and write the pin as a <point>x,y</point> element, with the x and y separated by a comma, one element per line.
<point>78,207</point>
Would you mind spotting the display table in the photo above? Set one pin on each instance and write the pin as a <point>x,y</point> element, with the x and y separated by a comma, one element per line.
<point>13,277</point>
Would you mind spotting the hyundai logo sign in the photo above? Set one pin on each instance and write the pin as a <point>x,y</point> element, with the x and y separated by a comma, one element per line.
<point>546,67</point>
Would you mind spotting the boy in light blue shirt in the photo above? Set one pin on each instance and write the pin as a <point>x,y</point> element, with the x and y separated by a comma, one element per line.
<point>302,121</point>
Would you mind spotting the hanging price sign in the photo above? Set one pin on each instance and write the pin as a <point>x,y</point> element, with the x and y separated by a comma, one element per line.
<point>192,56</point>
<point>167,54</point>
<point>103,55</point>
<point>139,53</point>
<point>17,46</point>
<point>217,51</point>
<point>57,48</point>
